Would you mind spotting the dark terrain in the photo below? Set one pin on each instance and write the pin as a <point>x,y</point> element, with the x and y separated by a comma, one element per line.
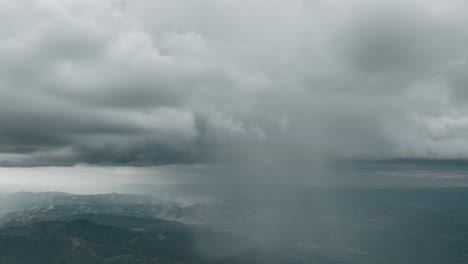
<point>330,226</point>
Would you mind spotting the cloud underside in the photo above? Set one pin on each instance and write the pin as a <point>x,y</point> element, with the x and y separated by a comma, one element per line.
<point>174,82</point>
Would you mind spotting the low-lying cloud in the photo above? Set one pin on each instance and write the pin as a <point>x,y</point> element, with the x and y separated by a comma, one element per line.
<point>145,83</point>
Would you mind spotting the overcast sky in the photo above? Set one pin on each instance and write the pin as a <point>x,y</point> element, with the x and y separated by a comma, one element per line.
<point>145,83</point>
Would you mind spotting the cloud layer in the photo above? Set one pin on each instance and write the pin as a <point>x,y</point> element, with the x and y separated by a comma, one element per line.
<point>169,82</point>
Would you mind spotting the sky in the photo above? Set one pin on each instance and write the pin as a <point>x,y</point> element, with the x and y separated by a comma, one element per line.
<point>145,83</point>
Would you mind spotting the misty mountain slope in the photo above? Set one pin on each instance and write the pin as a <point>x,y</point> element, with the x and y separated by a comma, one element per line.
<point>76,240</point>
<point>346,225</point>
<point>24,200</point>
<point>36,207</point>
<point>28,200</point>
<point>82,229</point>
<point>141,224</point>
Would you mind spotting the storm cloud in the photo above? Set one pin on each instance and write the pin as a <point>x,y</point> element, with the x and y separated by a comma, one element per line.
<point>179,82</point>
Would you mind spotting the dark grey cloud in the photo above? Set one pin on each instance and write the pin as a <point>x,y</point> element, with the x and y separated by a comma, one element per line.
<point>264,82</point>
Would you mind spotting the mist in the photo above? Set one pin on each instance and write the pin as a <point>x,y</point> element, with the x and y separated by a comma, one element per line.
<point>225,132</point>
